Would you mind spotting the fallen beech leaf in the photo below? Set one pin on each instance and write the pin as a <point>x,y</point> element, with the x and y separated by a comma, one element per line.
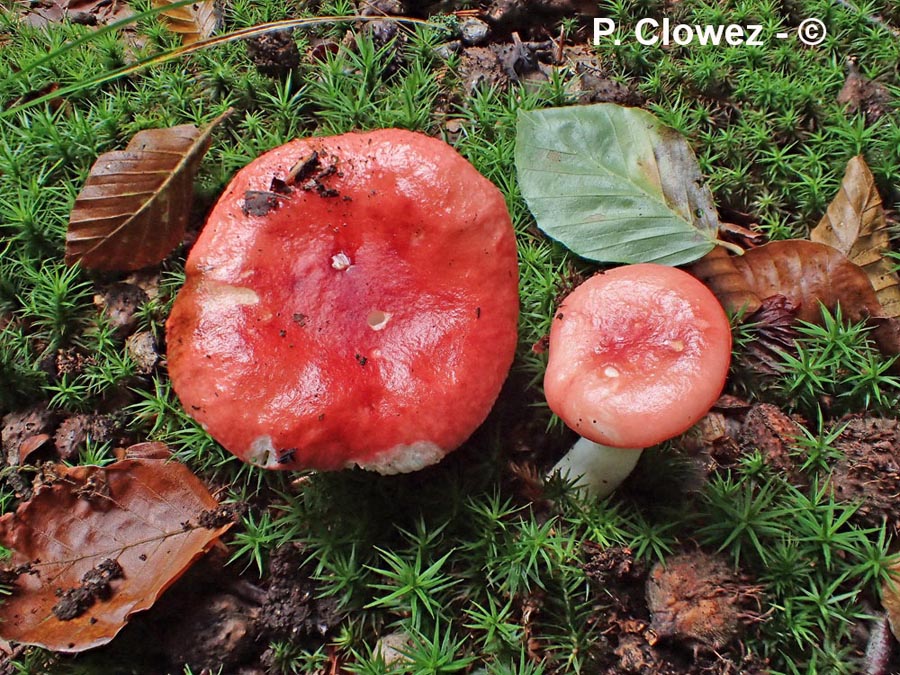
<point>717,270</point>
<point>741,236</point>
<point>613,184</point>
<point>194,22</point>
<point>890,598</point>
<point>148,450</point>
<point>855,224</point>
<point>135,204</point>
<point>807,273</point>
<point>96,544</point>
<point>887,335</point>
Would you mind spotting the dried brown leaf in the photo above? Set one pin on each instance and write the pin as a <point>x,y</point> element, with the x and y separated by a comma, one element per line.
<point>135,204</point>
<point>85,12</point>
<point>717,270</point>
<point>194,22</point>
<point>890,599</point>
<point>855,224</point>
<point>112,537</point>
<point>807,273</point>
<point>31,446</point>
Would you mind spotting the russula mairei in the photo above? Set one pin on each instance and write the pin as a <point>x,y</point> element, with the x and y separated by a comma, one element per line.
<point>352,300</point>
<point>638,354</point>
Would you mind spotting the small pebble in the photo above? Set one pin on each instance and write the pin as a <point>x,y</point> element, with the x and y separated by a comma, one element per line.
<point>446,50</point>
<point>141,347</point>
<point>474,32</point>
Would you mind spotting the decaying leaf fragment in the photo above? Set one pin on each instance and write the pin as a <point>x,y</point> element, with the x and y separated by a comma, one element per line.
<point>855,224</point>
<point>135,204</point>
<point>890,599</point>
<point>194,22</point>
<point>97,544</point>
<point>84,12</point>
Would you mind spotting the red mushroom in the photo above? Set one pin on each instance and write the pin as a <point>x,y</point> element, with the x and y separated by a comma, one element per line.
<point>352,300</point>
<point>638,355</point>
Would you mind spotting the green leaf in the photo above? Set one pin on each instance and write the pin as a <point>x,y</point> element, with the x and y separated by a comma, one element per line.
<point>614,185</point>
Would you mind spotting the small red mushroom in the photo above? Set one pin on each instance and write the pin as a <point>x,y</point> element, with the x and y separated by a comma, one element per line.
<point>352,300</point>
<point>638,354</point>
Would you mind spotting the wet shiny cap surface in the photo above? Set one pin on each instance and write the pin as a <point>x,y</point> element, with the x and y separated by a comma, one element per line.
<point>352,300</point>
<point>638,354</point>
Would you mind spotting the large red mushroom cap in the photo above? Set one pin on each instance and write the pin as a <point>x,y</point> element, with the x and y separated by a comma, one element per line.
<point>352,300</point>
<point>638,355</point>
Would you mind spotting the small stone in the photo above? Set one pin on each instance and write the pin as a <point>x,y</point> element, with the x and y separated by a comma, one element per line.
<point>474,32</point>
<point>383,8</point>
<point>83,18</point>
<point>120,302</point>
<point>222,631</point>
<point>390,648</point>
<point>447,49</point>
<point>141,347</point>
<point>383,31</point>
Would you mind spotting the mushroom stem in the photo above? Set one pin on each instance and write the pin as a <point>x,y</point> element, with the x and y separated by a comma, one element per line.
<point>597,469</point>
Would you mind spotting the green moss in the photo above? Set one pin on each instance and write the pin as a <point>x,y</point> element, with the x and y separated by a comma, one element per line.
<point>455,555</point>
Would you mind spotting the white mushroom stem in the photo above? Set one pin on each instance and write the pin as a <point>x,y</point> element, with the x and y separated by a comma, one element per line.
<point>597,469</point>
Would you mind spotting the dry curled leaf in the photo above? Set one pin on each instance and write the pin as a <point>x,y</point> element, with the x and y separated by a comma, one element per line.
<point>135,204</point>
<point>194,22</point>
<point>855,224</point>
<point>717,270</point>
<point>806,274</point>
<point>96,544</point>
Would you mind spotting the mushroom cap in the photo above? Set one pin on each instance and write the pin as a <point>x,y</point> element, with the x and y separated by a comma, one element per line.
<point>638,354</point>
<point>365,315</point>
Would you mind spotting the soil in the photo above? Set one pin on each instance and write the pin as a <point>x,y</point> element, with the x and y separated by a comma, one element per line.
<point>861,93</point>
<point>214,617</point>
<point>685,618</point>
<point>869,471</point>
<point>75,431</point>
<point>275,53</point>
<point>291,611</point>
<point>95,585</point>
<point>23,427</point>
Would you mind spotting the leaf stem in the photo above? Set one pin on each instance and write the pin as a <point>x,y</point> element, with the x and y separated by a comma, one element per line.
<point>728,246</point>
